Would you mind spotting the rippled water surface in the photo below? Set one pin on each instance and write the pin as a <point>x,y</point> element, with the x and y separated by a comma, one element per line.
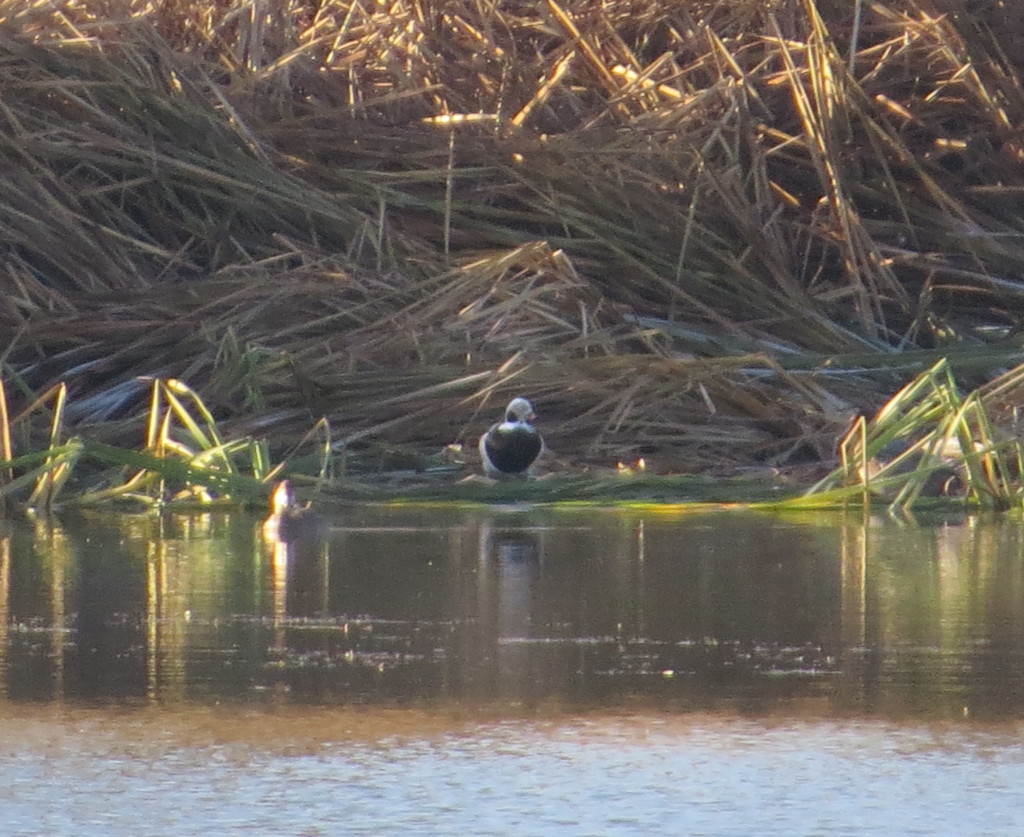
<point>511,671</point>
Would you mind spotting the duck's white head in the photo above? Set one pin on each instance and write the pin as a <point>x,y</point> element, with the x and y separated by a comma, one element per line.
<point>519,410</point>
<point>282,501</point>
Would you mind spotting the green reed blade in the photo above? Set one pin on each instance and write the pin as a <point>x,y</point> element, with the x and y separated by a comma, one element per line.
<point>176,471</point>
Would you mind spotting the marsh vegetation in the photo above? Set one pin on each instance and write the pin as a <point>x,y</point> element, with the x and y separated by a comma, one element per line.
<point>710,235</point>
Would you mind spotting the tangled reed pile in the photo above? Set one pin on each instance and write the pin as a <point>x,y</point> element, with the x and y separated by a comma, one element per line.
<point>704,233</point>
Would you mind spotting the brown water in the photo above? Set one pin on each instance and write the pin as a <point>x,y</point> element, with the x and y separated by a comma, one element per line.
<point>512,672</point>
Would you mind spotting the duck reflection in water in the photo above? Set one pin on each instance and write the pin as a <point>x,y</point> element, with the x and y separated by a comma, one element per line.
<point>510,560</point>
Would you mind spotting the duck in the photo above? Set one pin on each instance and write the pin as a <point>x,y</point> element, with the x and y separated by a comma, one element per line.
<point>288,522</point>
<point>512,446</point>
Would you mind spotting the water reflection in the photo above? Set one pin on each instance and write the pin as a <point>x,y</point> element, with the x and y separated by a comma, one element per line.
<point>519,608</point>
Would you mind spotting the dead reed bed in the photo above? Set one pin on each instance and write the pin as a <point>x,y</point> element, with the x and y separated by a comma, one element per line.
<point>706,234</point>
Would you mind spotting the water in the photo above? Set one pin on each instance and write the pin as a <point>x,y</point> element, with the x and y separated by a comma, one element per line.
<point>513,671</point>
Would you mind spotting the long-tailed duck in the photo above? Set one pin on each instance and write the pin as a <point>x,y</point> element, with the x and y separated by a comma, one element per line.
<point>288,522</point>
<point>513,445</point>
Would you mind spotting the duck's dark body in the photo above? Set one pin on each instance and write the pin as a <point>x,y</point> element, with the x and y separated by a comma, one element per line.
<point>295,525</point>
<point>512,450</point>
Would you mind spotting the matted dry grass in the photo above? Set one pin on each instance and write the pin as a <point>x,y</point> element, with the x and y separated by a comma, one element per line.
<point>707,233</point>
